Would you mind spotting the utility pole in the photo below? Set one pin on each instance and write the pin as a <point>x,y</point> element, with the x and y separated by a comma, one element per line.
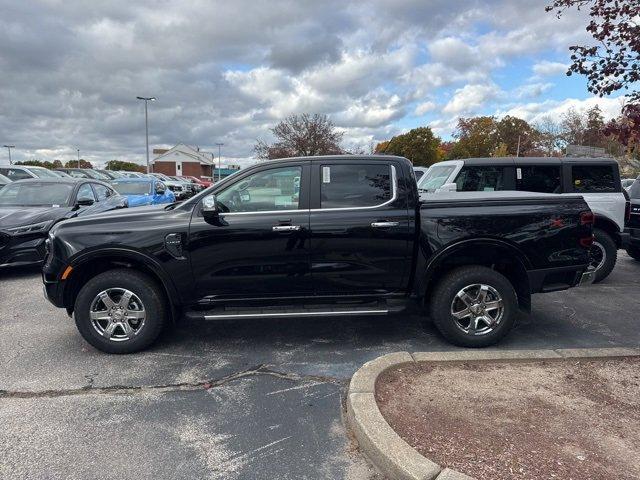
<point>146,122</point>
<point>518,150</point>
<point>219,161</point>
<point>9,147</point>
<point>78,150</point>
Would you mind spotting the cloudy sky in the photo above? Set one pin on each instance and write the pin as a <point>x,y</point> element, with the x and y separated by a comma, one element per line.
<point>226,71</point>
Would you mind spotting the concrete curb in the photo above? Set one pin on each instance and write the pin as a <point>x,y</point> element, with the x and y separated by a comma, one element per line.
<point>394,457</point>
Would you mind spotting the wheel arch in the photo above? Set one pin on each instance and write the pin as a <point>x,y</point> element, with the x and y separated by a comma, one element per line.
<point>607,225</point>
<point>90,264</point>
<point>498,255</point>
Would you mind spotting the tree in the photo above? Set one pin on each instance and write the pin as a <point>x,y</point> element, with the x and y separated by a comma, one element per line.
<point>594,128</point>
<point>517,136</point>
<point>74,164</point>
<point>476,137</point>
<point>572,126</point>
<point>39,163</point>
<point>419,145</point>
<point>126,166</point>
<point>612,63</point>
<point>302,135</point>
<point>550,136</point>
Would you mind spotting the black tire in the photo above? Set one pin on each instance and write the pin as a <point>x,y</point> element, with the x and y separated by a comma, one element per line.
<point>603,241</point>
<point>634,252</point>
<point>444,295</point>
<point>147,291</point>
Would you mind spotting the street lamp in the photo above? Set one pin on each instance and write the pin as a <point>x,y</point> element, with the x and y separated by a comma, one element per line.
<point>78,150</point>
<point>9,147</point>
<point>146,122</point>
<point>219,161</point>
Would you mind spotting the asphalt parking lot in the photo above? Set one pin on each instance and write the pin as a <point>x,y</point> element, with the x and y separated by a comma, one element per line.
<point>250,399</point>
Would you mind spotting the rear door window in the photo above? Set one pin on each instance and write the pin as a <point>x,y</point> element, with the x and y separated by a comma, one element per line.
<point>15,173</point>
<point>538,178</point>
<point>355,185</point>
<point>102,192</point>
<point>593,178</point>
<point>480,179</point>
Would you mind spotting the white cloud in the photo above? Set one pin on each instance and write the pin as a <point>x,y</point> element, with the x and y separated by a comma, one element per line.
<point>534,111</point>
<point>545,68</point>
<point>471,98</point>
<point>532,90</point>
<point>424,107</point>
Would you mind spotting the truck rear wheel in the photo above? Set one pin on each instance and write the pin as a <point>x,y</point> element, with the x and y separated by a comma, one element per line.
<point>603,254</point>
<point>120,311</point>
<point>473,306</point>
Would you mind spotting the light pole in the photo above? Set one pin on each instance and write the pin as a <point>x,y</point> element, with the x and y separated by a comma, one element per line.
<point>9,147</point>
<point>146,122</point>
<point>78,151</point>
<point>219,160</point>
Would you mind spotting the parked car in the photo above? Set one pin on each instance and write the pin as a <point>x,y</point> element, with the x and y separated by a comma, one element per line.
<point>318,237</point>
<point>596,179</point>
<point>111,174</point>
<point>633,225</point>
<point>627,182</point>
<point>4,181</point>
<point>143,191</point>
<point>199,181</point>
<point>179,188</point>
<point>85,173</point>
<point>419,172</point>
<point>193,186</point>
<point>128,174</point>
<point>29,208</point>
<point>23,172</point>
<point>60,174</point>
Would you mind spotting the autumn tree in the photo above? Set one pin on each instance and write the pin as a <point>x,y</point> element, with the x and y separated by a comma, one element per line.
<point>550,136</point>
<point>40,163</point>
<point>419,145</point>
<point>516,136</point>
<point>301,136</point>
<point>126,166</point>
<point>74,164</point>
<point>476,137</point>
<point>612,62</point>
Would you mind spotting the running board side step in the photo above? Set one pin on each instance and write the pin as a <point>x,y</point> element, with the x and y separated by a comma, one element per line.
<point>274,313</point>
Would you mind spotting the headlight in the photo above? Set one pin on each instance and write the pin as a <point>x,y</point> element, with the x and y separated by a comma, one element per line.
<point>33,228</point>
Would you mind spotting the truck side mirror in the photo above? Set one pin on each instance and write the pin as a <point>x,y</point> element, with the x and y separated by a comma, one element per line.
<point>210,206</point>
<point>448,187</point>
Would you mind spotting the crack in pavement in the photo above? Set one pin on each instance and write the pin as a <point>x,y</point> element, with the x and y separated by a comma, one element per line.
<point>262,369</point>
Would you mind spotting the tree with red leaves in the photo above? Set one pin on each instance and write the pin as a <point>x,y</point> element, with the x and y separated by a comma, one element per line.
<point>613,62</point>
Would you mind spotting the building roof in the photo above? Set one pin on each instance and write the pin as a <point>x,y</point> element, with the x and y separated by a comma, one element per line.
<point>183,153</point>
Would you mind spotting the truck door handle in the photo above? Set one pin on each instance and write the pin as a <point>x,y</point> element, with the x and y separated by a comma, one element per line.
<point>285,228</point>
<point>384,224</point>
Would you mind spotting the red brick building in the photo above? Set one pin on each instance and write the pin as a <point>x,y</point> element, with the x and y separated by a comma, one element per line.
<point>182,160</point>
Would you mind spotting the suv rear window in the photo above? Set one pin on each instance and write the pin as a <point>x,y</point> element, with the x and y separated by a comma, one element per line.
<point>357,185</point>
<point>538,178</point>
<point>593,178</point>
<point>480,179</point>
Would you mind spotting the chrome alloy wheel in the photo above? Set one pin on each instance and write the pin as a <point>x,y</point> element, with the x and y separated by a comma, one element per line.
<point>477,309</point>
<point>117,314</point>
<point>597,255</point>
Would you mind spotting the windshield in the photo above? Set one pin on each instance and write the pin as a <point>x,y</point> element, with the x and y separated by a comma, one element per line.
<point>435,177</point>
<point>634,189</point>
<point>42,173</point>
<point>97,175</point>
<point>36,194</point>
<point>132,188</point>
<point>4,179</point>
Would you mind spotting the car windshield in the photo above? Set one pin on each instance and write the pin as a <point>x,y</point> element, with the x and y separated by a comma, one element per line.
<point>435,177</point>
<point>97,175</point>
<point>42,173</point>
<point>36,194</point>
<point>132,188</point>
<point>634,189</point>
<point>4,179</point>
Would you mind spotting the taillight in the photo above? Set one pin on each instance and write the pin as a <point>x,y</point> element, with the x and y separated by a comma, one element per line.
<point>586,218</point>
<point>586,242</point>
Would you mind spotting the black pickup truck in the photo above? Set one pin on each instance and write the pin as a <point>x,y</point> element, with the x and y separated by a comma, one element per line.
<point>318,237</point>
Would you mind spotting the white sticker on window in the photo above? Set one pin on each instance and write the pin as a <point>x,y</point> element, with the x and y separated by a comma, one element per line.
<point>326,174</point>
<point>519,173</point>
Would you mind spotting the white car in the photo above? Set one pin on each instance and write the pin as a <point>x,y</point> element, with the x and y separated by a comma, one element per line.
<point>596,179</point>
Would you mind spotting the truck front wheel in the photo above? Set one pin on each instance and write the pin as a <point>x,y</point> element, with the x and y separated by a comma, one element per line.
<point>473,306</point>
<point>120,311</point>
